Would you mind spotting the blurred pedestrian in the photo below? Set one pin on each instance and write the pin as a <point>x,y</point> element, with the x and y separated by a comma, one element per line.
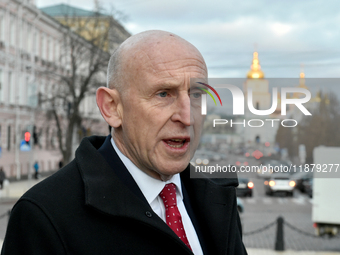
<point>61,164</point>
<point>36,169</point>
<point>2,177</point>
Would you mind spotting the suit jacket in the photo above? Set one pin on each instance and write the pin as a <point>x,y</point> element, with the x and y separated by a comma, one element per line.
<point>92,206</point>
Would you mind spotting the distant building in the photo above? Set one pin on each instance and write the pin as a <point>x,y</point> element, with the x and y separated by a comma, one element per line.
<point>99,25</point>
<point>262,98</point>
<point>30,50</point>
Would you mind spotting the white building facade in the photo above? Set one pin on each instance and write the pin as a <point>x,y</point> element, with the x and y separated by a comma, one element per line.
<point>30,48</point>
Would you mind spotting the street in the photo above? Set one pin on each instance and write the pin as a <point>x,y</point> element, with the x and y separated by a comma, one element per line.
<point>261,210</point>
<point>259,219</point>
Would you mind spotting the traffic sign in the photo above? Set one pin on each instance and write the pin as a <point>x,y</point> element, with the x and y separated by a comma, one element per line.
<point>24,146</point>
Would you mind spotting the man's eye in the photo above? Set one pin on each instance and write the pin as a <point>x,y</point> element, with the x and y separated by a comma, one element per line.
<point>163,94</point>
<point>196,95</point>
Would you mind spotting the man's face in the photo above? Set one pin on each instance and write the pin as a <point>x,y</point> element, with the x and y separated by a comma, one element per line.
<point>161,120</point>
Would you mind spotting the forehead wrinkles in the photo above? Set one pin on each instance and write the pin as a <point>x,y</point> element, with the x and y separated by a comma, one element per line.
<point>155,62</point>
<point>182,65</point>
<point>170,58</point>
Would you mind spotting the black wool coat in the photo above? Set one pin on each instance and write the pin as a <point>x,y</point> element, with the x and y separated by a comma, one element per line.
<point>93,206</point>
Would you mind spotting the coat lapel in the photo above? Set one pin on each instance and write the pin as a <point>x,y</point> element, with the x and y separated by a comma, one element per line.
<point>112,158</point>
<point>106,192</point>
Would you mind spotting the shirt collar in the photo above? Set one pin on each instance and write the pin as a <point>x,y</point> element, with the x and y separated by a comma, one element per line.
<point>149,186</point>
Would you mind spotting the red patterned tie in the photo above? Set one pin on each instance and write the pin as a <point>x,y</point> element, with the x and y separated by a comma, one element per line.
<point>173,217</point>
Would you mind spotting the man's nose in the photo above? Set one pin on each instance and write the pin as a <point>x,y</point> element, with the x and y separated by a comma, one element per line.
<point>182,110</point>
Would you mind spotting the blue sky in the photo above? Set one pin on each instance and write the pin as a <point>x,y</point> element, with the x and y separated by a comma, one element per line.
<point>285,33</point>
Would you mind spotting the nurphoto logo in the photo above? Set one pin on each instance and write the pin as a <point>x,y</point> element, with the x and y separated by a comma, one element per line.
<point>238,100</point>
<point>281,100</point>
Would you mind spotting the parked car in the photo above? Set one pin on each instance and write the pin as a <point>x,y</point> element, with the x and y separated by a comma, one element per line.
<point>279,182</point>
<point>302,178</point>
<point>244,188</point>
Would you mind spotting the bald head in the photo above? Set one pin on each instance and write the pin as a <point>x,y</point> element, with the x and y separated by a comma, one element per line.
<point>142,48</point>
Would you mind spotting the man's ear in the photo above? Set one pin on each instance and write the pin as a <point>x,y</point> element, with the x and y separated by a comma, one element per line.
<point>108,101</point>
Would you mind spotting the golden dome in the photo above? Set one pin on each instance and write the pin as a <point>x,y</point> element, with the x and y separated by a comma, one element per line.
<point>327,101</point>
<point>318,96</point>
<point>302,81</point>
<point>255,72</point>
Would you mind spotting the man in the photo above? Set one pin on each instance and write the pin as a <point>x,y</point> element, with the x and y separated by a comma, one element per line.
<point>114,197</point>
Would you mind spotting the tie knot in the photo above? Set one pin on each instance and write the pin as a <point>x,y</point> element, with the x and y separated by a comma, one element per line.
<point>168,195</point>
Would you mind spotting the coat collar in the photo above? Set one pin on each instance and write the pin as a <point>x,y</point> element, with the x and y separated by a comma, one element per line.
<point>103,188</point>
<point>105,192</point>
<point>213,204</point>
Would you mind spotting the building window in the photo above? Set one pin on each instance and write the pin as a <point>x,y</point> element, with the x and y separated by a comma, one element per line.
<point>29,39</point>
<point>1,87</point>
<point>46,138</point>
<point>20,30</point>
<point>2,27</point>
<point>43,47</point>
<point>22,91</point>
<point>11,88</point>
<point>12,31</point>
<point>50,49</point>
<point>36,43</point>
<point>25,96</point>
<point>9,138</point>
<point>9,81</point>
<point>57,52</point>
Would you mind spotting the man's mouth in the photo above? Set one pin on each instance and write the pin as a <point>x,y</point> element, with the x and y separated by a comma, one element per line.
<point>176,142</point>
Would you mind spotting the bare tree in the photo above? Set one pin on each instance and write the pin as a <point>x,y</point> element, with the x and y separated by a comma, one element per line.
<point>84,58</point>
<point>322,127</point>
<point>319,129</point>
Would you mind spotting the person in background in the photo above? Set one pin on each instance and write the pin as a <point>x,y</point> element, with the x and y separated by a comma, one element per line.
<point>36,170</point>
<point>2,177</point>
<point>61,164</point>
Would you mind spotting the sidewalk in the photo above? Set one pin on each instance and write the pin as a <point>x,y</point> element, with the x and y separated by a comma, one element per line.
<point>252,251</point>
<point>16,189</point>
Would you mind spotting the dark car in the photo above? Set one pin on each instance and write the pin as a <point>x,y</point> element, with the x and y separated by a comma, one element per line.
<point>245,187</point>
<point>301,178</point>
<point>309,187</point>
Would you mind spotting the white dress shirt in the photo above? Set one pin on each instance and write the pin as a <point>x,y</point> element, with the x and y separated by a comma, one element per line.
<point>151,188</point>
